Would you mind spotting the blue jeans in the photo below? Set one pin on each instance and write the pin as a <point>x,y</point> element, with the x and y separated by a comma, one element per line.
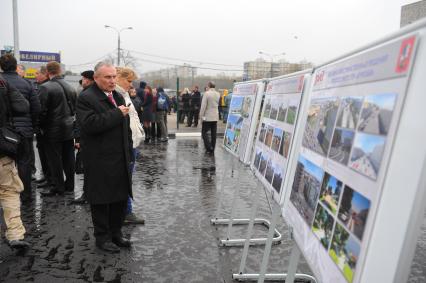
<point>132,169</point>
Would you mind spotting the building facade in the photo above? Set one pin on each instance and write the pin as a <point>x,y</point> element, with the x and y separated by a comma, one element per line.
<point>261,68</point>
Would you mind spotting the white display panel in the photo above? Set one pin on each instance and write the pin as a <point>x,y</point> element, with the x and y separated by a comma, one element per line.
<point>242,118</point>
<point>276,130</point>
<point>338,175</point>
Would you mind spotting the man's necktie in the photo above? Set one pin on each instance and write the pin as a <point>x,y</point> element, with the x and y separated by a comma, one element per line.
<point>111,99</point>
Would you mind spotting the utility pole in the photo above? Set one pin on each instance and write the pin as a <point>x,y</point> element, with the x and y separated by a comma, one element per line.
<point>16,50</point>
<point>118,33</point>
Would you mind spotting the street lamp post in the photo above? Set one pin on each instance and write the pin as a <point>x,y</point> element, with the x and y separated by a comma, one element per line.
<point>272,58</point>
<point>118,33</point>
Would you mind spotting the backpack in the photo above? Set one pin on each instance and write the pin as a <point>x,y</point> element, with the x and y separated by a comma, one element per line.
<point>162,103</point>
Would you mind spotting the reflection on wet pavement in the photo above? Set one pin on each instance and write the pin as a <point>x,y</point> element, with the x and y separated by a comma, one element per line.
<point>176,188</point>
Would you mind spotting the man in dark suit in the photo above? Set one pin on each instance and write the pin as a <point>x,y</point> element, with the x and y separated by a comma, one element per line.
<point>107,142</point>
<point>57,119</point>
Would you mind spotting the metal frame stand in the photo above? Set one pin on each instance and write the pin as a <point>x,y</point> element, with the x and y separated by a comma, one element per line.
<point>262,276</point>
<point>229,241</point>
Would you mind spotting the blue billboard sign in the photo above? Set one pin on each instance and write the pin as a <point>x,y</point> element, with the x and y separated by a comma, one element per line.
<point>34,56</point>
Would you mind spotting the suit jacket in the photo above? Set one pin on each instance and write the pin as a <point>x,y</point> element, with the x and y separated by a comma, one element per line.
<point>106,142</point>
<point>209,106</point>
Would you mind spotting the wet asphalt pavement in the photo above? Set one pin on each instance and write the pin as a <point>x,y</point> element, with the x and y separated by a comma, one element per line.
<point>176,189</point>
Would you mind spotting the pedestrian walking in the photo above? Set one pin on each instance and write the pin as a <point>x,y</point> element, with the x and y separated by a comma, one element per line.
<point>106,137</point>
<point>185,101</point>
<point>57,119</point>
<point>24,124</point>
<point>209,116</point>
<point>12,104</point>
<point>125,77</point>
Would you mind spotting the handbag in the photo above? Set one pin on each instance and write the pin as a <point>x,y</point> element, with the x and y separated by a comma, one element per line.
<point>9,141</point>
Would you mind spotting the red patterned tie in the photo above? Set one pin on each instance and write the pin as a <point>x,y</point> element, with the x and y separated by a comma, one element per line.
<point>111,99</point>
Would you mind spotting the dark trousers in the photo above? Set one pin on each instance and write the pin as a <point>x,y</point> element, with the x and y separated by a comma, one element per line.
<point>108,220</point>
<point>61,160</point>
<point>23,161</point>
<point>209,144</point>
<point>41,147</point>
<point>193,118</point>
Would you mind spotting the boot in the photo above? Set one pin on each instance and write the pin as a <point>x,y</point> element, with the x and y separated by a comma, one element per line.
<point>147,134</point>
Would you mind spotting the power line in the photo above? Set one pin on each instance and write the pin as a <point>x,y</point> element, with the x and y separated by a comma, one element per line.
<point>182,60</point>
<point>92,62</point>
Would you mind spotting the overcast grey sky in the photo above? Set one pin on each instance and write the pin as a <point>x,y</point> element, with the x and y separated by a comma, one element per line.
<point>218,31</point>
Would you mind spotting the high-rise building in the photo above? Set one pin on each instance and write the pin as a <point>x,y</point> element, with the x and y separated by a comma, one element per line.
<point>261,68</point>
<point>412,12</point>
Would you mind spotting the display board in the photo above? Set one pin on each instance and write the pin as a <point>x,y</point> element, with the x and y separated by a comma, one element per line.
<point>242,118</point>
<point>276,130</point>
<point>343,154</point>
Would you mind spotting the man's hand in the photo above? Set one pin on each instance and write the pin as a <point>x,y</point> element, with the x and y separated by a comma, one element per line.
<point>124,110</point>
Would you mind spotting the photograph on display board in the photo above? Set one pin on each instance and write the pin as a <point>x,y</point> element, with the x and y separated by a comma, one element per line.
<point>320,124</point>
<point>376,114</point>
<point>331,190</point>
<point>233,131</point>
<point>275,103</point>
<point>323,226</point>
<point>267,111</point>
<point>367,154</point>
<point>257,158</point>
<point>278,176</point>
<point>350,109</point>
<point>269,134</point>
<point>341,145</point>
<point>353,211</point>
<point>245,112</point>
<point>285,144</point>
<point>262,133</point>
<point>344,251</point>
<point>292,111</point>
<point>236,104</point>
<point>263,161</point>
<point>282,110</point>
<point>269,174</point>
<point>306,188</point>
<point>276,139</point>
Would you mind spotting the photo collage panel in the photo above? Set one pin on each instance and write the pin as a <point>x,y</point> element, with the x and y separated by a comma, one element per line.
<point>233,132</point>
<point>351,130</point>
<point>270,168</point>
<point>281,109</point>
<point>336,214</point>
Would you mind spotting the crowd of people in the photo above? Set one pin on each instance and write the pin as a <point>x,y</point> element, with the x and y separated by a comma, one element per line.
<point>105,121</point>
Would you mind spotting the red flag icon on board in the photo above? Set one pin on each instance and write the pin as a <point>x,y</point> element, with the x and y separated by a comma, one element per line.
<point>404,56</point>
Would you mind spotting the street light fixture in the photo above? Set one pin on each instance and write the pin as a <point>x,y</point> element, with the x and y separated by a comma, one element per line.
<point>272,57</point>
<point>118,33</point>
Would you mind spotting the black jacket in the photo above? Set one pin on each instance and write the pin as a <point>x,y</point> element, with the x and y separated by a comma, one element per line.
<point>12,102</point>
<point>195,101</point>
<point>25,124</point>
<point>106,140</point>
<point>57,114</point>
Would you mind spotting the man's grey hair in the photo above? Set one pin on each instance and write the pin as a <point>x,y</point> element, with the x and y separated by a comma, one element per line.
<point>102,64</point>
<point>211,85</point>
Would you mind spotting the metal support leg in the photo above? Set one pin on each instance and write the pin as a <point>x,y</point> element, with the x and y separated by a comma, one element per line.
<point>275,214</point>
<point>233,208</point>
<point>294,261</point>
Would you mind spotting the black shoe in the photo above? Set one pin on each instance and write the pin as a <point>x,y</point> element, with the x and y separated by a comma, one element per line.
<point>121,242</point>
<point>164,140</point>
<point>79,201</point>
<point>43,184</point>
<point>51,192</point>
<point>41,180</point>
<point>18,244</point>
<point>108,247</point>
<point>132,218</point>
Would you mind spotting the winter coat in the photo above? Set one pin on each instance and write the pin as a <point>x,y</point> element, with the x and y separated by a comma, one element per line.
<point>147,104</point>
<point>25,124</point>
<point>12,102</point>
<point>209,106</point>
<point>106,140</point>
<point>135,123</point>
<point>57,114</point>
<point>195,101</point>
